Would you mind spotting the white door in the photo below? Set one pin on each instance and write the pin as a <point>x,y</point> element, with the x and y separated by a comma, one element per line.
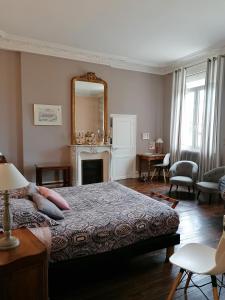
<point>123,146</point>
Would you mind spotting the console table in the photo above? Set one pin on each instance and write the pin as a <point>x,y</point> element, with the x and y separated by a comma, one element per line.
<point>66,171</point>
<point>151,159</point>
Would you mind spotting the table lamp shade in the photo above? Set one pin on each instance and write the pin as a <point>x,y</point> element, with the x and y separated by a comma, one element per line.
<point>11,178</point>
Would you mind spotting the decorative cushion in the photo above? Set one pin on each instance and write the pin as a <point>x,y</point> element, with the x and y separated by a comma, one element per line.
<point>207,187</point>
<point>181,180</point>
<point>32,189</point>
<point>47,207</point>
<point>25,214</point>
<point>54,197</point>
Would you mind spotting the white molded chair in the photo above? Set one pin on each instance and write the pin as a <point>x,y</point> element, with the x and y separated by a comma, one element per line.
<point>199,259</point>
<point>164,166</point>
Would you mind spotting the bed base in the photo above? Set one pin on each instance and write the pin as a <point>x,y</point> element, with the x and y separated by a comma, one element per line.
<point>127,252</point>
<point>66,273</point>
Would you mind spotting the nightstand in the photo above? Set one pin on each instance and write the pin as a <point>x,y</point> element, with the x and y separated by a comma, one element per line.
<point>24,270</point>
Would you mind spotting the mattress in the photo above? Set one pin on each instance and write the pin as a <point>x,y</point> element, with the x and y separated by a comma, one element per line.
<point>104,217</point>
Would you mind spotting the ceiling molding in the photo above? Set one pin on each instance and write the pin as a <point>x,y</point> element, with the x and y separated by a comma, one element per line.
<point>23,44</point>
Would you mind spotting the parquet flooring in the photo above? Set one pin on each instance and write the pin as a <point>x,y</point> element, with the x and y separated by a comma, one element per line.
<point>147,277</point>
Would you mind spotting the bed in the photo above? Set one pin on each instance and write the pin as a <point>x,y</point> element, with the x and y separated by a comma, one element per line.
<point>108,218</point>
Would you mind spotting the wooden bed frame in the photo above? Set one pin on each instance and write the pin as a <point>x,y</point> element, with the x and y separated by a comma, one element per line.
<point>139,248</point>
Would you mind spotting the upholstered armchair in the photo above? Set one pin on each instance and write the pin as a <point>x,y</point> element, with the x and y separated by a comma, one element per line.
<point>210,183</point>
<point>183,173</point>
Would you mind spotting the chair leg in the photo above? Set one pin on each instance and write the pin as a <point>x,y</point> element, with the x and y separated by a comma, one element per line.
<point>214,288</point>
<point>175,285</point>
<point>177,188</point>
<point>164,175</point>
<point>153,175</point>
<point>198,195</point>
<point>187,282</point>
<point>210,198</point>
<point>171,186</point>
<point>169,252</point>
<point>189,189</point>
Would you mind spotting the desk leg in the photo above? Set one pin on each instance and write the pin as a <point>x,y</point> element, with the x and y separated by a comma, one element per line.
<point>140,168</point>
<point>149,170</point>
<point>38,176</point>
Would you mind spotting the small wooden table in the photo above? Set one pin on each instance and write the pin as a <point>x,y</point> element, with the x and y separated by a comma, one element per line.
<point>66,169</point>
<point>149,158</point>
<point>24,269</point>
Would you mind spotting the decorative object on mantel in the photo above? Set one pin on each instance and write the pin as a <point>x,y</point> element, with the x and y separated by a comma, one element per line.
<point>159,146</point>
<point>10,178</point>
<point>89,117</point>
<point>47,114</point>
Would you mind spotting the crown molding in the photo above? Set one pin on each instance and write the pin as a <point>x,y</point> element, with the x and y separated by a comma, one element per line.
<point>195,58</point>
<point>24,44</point>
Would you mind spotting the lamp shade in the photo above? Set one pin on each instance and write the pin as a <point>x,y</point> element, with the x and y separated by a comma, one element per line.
<point>11,178</point>
<point>159,141</point>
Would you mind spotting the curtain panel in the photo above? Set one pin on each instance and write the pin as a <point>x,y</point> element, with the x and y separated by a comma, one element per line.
<point>178,93</point>
<point>214,95</point>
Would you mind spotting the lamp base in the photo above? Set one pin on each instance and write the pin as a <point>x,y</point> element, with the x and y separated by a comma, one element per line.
<point>9,242</point>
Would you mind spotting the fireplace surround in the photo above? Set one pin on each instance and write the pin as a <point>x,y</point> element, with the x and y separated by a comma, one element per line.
<point>79,153</point>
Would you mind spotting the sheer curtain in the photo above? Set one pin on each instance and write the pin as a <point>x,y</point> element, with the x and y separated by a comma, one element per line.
<point>178,93</point>
<point>214,93</point>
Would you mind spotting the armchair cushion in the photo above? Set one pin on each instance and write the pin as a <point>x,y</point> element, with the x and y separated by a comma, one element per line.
<point>207,187</point>
<point>185,168</point>
<point>181,180</point>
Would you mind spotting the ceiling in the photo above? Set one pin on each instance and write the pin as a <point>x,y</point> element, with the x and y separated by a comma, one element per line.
<point>154,33</point>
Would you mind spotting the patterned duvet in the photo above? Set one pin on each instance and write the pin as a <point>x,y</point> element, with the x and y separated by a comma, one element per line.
<point>107,216</point>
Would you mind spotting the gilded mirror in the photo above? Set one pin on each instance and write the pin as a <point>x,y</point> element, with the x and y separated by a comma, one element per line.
<point>89,110</point>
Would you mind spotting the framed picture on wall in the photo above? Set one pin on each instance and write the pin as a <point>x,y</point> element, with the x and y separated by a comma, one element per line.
<point>47,114</point>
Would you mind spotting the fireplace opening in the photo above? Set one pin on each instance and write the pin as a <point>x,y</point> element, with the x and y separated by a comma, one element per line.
<point>92,171</point>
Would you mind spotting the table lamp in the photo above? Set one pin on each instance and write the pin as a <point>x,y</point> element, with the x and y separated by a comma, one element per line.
<point>10,178</point>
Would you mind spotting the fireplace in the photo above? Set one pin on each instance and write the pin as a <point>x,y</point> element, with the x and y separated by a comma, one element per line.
<point>92,171</point>
<point>80,153</point>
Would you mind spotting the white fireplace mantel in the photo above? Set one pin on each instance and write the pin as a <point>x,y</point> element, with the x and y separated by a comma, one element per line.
<point>83,152</point>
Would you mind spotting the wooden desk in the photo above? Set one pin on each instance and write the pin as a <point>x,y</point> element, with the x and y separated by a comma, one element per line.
<point>154,158</point>
<point>24,269</point>
<point>66,169</point>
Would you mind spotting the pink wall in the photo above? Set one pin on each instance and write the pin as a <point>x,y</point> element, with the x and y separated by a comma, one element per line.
<point>11,142</point>
<point>46,80</point>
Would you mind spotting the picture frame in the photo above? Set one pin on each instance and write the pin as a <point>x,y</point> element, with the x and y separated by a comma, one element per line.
<point>47,114</point>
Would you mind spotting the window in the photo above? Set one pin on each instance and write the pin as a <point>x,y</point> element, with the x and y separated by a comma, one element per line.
<point>192,112</point>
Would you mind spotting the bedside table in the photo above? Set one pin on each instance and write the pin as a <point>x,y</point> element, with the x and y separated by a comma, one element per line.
<point>24,270</point>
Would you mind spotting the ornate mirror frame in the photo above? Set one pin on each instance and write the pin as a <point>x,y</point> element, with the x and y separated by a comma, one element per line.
<point>88,77</point>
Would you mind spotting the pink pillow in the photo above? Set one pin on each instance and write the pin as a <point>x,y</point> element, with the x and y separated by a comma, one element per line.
<point>54,197</point>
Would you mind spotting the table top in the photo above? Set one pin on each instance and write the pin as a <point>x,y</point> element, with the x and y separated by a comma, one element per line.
<point>29,246</point>
<point>51,165</point>
<point>151,156</point>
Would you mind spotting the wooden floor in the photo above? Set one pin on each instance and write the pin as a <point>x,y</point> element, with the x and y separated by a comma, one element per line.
<point>147,277</point>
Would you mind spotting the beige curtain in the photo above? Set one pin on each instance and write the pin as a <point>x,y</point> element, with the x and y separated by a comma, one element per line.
<point>214,95</point>
<point>178,93</point>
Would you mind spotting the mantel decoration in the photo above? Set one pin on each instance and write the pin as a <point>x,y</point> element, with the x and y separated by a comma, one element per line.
<point>10,179</point>
<point>47,114</point>
<point>89,116</point>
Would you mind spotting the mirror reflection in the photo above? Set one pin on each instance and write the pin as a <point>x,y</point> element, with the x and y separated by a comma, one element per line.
<point>89,108</point>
